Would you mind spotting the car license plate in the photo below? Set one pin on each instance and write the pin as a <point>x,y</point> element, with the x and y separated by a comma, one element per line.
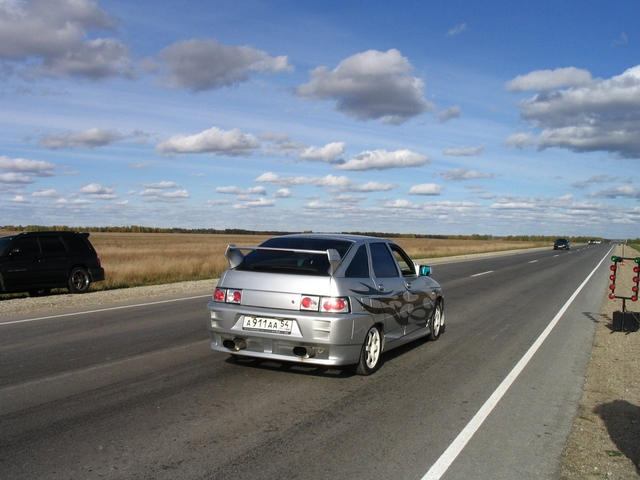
<point>261,324</point>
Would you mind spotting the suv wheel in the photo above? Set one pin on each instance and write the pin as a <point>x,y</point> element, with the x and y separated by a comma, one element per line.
<point>79,280</point>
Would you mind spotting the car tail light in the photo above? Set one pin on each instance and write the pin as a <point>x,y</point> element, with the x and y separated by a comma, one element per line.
<point>335,304</point>
<point>309,302</point>
<point>227,295</point>
<point>234,296</point>
<point>219,295</point>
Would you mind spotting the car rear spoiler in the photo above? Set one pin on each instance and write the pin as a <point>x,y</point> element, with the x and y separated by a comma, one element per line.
<point>235,256</point>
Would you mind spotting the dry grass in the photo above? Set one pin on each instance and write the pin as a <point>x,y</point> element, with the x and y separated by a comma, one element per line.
<point>135,259</point>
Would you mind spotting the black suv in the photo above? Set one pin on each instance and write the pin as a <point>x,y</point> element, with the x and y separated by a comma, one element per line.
<point>561,244</point>
<point>36,262</point>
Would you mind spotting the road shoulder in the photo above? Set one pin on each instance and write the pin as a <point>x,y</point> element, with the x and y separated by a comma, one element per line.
<point>605,440</point>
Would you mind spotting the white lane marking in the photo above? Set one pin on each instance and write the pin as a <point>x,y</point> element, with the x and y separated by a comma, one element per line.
<point>533,261</point>
<point>450,454</point>
<point>483,273</point>
<point>102,310</point>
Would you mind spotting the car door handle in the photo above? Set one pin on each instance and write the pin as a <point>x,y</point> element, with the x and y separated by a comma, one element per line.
<point>381,287</point>
<point>408,285</point>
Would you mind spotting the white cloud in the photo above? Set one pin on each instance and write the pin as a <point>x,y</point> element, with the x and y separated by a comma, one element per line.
<point>449,113</point>
<point>426,189</point>
<point>370,86</point>
<point>201,65</point>
<point>600,116</point>
<point>213,141</point>
<point>382,160</point>
<point>282,193</point>
<point>329,153</point>
<point>22,165</point>
<point>95,190</point>
<point>255,203</point>
<point>459,174</point>
<point>48,193</point>
<point>550,79</point>
<point>457,29</point>
<point>374,187</point>
<point>15,178</point>
<point>401,203</point>
<point>94,137</point>
<point>240,191</point>
<point>162,185</point>
<point>340,184</point>
<point>464,151</point>
<point>54,31</point>
<point>623,191</point>
<point>159,195</point>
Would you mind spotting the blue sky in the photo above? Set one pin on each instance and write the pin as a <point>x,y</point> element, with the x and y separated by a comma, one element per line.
<point>461,117</point>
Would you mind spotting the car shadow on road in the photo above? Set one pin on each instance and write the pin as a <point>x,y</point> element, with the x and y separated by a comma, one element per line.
<point>622,420</point>
<point>291,367</point>
<point>320,371</point>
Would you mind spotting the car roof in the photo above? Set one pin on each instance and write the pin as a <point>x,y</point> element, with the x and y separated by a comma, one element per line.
<point>336,236</point>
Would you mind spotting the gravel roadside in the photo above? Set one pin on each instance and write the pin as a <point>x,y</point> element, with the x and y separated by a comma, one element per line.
<point>605,441</point>
<point>63,301</point>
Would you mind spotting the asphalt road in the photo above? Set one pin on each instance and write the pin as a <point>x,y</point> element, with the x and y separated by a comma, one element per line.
<point>135,392</point>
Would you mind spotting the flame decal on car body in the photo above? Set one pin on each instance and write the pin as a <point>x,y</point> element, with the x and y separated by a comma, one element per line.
<point>400,305</point>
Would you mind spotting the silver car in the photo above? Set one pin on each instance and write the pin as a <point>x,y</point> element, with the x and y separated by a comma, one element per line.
<point>323,299</point>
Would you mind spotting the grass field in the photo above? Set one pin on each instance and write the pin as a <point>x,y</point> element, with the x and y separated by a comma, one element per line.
<point>135,259</point>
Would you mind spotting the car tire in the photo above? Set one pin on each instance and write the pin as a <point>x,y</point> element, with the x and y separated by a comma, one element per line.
<point>436,323</point>
<point>79,280</point>
<point>370,353</point>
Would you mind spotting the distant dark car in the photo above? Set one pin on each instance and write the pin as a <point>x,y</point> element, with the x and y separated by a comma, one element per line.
<point>36,262</point>
<point>561,244</point>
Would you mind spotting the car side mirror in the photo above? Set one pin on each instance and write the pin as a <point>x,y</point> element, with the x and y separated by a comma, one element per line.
<point>425,270</point>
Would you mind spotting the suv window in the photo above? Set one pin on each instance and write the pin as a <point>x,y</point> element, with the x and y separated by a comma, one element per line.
<point>383,264</point>
<point>4,243</point>
<point>77,243</point>
<point>52,245</point>
<point>27,246</point>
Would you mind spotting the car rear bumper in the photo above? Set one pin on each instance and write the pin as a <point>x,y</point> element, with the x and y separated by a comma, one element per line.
<point>97,274</point>
<point>315,339</point>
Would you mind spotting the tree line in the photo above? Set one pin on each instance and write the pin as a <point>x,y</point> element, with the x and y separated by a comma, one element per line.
<point>240,231</point>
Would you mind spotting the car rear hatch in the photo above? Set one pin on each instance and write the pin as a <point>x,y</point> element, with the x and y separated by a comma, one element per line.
<point>275,290</point>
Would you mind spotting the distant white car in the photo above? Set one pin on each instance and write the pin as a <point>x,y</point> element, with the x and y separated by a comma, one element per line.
<point>323,299</point>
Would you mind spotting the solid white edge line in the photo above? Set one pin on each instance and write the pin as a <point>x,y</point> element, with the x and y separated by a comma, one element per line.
<point>446,459</point>
<point>26,320</point>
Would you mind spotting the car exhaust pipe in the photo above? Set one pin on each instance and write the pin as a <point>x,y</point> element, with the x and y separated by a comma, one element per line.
<point>304,352</point>
<point>235,344</point>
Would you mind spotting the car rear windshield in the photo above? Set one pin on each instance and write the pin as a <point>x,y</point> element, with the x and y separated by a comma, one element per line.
<point>301,263</point>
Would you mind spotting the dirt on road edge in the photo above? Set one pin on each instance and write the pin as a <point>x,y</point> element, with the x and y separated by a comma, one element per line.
<point>605,441</point>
